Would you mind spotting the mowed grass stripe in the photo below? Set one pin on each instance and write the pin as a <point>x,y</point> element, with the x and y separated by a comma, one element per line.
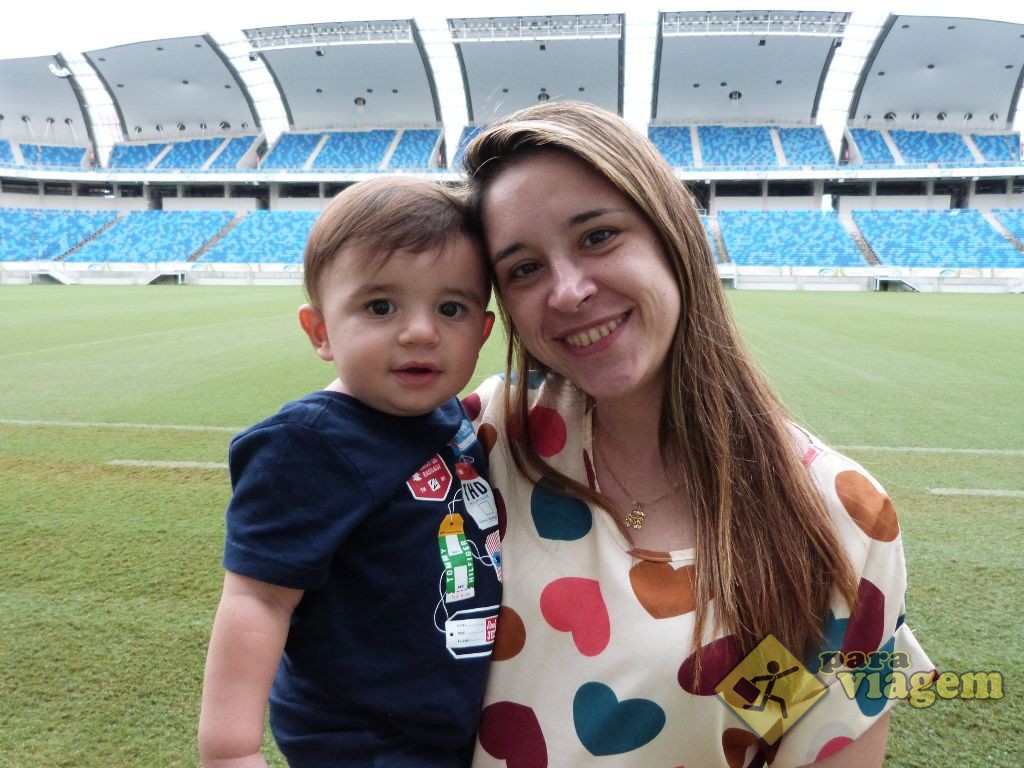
<point>126,339</point>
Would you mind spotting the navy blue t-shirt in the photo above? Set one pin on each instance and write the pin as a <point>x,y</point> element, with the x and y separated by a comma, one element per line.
<point>389,526</point>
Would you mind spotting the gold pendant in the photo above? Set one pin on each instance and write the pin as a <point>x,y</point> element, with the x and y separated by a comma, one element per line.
<point>635,519</point>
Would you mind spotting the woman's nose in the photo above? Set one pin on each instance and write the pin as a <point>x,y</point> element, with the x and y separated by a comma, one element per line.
<point>571,287</point>
<point>420,329</point>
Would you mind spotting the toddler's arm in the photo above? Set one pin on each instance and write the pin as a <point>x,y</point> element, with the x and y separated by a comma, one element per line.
<point>245,649</point>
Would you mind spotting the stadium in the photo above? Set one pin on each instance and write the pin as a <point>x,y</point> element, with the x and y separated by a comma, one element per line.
<point>204,160</point>
<point>861,183</point>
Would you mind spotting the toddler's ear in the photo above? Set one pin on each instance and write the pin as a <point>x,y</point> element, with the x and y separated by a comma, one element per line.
<point>312,322</point>
<point>488,326</point>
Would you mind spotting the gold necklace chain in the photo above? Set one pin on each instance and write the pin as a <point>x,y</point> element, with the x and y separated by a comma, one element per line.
<point>636,516</point>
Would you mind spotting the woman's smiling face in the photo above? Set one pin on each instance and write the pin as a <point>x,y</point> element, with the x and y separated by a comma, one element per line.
<point>583,275</point>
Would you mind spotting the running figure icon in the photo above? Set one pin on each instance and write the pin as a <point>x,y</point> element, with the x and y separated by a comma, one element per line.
<point>772,677</point>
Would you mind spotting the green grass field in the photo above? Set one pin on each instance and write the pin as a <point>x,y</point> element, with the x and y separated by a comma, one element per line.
<point>110,575</point>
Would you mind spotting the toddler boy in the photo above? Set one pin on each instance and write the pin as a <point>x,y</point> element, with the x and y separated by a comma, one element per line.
<point>362,555</point>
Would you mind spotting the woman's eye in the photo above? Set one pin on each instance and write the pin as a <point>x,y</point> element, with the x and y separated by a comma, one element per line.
<point>522,270</point>
<point>597,237</point>
<point>451,309</point>
<point>380,307</point>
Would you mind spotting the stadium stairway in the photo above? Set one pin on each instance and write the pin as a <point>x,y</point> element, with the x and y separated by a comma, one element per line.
<point>50,275</point>
<point>316,151</point>
<point>999,227</point>
<point>390,151</point>
<point>214,155</point>
<point>972,147</point>
<point>82,243</point>
<point>239,217</point>
<point>862,245</point>
<point>715,230</point>
<point>160,157</point>
<point>897,153</point>
<point>780,153</point>
<point>698,152</point>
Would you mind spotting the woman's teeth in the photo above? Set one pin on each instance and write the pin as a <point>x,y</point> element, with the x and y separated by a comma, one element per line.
<point>592,335</point>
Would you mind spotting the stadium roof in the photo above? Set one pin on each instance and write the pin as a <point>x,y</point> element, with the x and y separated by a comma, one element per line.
<point>743,66</point>
<point>668,65</point>
<point>942,69</point>
<point>181,86</point>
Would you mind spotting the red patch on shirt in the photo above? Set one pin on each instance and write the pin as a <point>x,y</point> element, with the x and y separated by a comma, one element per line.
<point>431,482</point>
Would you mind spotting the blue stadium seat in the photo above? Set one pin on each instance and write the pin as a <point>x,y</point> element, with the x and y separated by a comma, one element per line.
<point>788,238</point>
<point>232,154</point>
<point>30,234</point>
<point>674,143</point>
<point>942,147</point>
<point>943,238</point>
<point>153,236</point>
<point>292,151</point>
<point>737,146</point>
<point>264,237</point>
<point>6,153</point>
<point>1003,148</point>
<point>415,149</point>
<point>191,154</point>
<point>135,155</point>
<point>806,146</point>
<point>872,147</point>
<point>51,156</point>
<point>354,150</point>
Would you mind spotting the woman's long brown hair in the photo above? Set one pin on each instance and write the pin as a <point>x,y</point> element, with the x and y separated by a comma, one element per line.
<point>767,554</point>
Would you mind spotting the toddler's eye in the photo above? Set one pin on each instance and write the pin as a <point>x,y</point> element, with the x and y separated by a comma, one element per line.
<point>451,309</point>
<point>380,307</point>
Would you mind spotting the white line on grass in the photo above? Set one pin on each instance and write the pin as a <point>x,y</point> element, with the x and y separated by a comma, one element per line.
<point>168,464</point>
<point>117,425</point>
<point>915,449</point>
<point>977,492</point>
<point>234,430</point>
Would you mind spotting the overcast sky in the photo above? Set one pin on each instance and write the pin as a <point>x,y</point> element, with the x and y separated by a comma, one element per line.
<point>36,28</point>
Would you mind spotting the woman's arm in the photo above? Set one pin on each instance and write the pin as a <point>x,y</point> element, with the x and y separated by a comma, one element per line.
<point>248,638</point>
<point>867,751</point>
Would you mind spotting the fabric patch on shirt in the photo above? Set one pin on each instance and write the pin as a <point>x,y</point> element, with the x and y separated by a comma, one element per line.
<point>432,481</point>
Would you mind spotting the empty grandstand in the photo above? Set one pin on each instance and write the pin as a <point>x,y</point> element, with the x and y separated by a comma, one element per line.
<point>788,238</point>
<point>194,153</point>
<point>264,237</point>
<point>215,155</point>
<point>354,150</point>
<point>51,156</point>
<point>30,234</point>
<point>154,236</point>
<point>937,239</point>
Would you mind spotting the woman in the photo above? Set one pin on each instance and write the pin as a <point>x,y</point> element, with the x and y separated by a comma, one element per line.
<point>664,516</point>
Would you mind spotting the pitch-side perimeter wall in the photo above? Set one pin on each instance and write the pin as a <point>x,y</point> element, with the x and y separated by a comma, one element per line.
<point>744,278</point>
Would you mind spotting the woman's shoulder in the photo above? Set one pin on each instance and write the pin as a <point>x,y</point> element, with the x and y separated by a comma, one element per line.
<point>820,457</point>
<point>856,499</point>
<point>488,402</point>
